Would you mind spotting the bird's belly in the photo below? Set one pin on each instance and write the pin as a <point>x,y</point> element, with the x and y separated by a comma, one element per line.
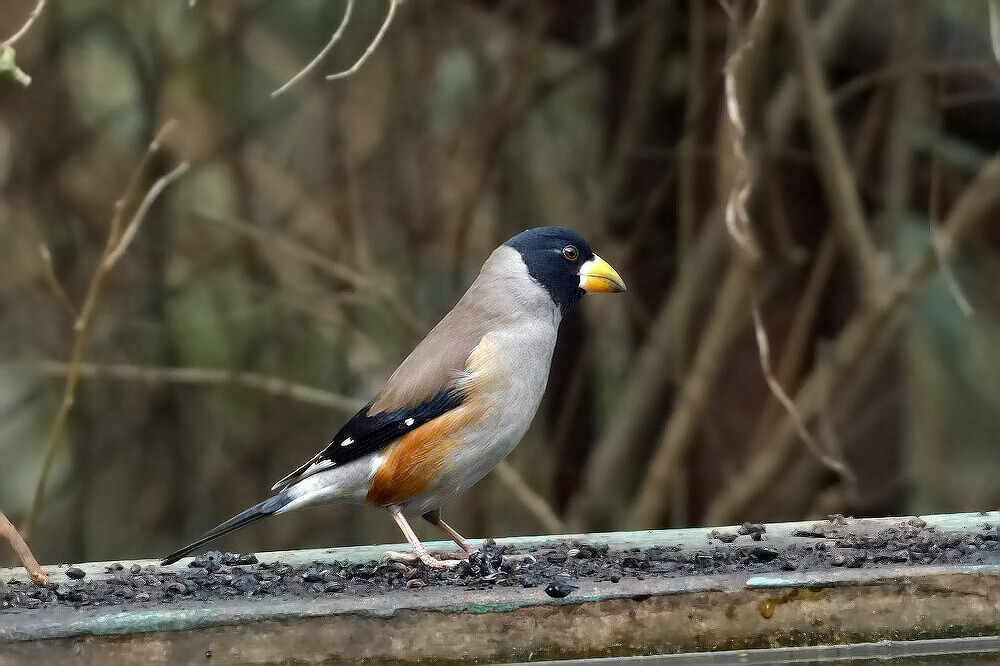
<point>465,465</point>
<point>504,411</point>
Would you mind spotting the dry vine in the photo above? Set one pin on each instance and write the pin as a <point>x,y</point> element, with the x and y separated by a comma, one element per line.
<point>738,198</point>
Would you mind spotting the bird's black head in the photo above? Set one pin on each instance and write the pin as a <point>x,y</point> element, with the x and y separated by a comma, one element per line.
<point>562,261</point>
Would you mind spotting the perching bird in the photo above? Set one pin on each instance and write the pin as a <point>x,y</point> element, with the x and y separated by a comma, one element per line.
<point>460,402</point>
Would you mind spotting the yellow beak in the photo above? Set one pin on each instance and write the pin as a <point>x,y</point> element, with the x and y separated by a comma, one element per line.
<point>597,276</point>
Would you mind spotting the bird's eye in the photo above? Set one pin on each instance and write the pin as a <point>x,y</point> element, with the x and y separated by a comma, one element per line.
<point>571,253</point>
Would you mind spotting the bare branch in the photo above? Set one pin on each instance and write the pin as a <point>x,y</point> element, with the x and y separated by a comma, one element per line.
<point>835,168</point>
<point>950,280</point>
<point>50,276</point>
<point>338,33</point>
<point>23,30</point>
<point>506,473</point>
<point>81,324</point>
<point>201,376</point>
<point>393,4</point>
<point>851,346</point>
<point>763,350</point>
<point>28,561</point>
<point>728,320</point>
<point>738,224</point>
<point>995,28</point>
<point>535,503</point>
<point>8,61</point>
<point>798,340</point>
<point>694,108</point>
<point>600,500</point>
<point>140,212</point>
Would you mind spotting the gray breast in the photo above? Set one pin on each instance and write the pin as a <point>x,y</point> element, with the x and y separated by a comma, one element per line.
<point>521,343</point>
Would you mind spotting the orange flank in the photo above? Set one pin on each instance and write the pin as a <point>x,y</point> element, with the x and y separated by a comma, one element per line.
<point>416,460</point>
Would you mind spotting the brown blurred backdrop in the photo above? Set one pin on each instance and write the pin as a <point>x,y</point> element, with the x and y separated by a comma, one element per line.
<point>318,235</point>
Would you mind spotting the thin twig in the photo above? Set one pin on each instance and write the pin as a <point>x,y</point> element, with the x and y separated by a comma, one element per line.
<point>81,325</point>
<point>728,320</point>
<point>338,33</point>
<point>535,503</point>
<point>23,30</point>
<point>950,280</point>
<point>393,4</point>
<point>364,284</point>
<point>687,156</point>
<point>835,168</point>
<point>738,223</point>
<point>852,345</point>
<point>637,107</point>
<point>28,561</point>
<point>140,212</point>
<point>275,386</point>
<point>50,276</point>
<point>995,28</point>
<point>906,112</point>
<point>606,489</point>
<point>8,56</point>
<point>597,503</point>
<point>202,376</point>
<point>799,337</point>
<point>814,446</point>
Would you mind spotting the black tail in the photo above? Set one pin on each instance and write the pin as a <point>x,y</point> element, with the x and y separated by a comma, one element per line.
<point>266,508</point>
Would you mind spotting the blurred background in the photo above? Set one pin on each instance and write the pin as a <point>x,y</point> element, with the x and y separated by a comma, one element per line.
<point>318,235</point>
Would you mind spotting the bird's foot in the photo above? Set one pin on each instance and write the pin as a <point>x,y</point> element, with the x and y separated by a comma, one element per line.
<point>435,560</point>
<point>524,558</point>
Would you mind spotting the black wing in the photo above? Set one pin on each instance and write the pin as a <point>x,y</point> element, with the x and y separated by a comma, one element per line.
<point>366,433</point>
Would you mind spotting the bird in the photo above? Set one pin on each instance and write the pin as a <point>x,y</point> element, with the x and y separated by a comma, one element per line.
<point>458,403</point>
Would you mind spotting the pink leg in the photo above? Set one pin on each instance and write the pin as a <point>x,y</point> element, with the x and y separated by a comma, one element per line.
<point>419,550</point>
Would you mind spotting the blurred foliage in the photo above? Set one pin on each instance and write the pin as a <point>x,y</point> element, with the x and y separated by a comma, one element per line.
<point>319,234</point>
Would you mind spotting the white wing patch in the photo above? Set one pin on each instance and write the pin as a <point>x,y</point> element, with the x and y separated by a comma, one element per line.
<point>409,422</point>
<point>376,466</point>
<point>347,442</point>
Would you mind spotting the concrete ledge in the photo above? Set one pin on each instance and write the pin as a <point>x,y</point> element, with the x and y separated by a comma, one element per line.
<point>441,624</point>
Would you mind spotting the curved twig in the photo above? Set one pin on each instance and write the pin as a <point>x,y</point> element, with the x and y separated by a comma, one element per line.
<point>338,33</point>
<point>28,561</point>
<point>393,4</point>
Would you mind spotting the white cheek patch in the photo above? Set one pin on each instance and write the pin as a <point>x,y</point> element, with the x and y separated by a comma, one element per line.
<point>584,269</point>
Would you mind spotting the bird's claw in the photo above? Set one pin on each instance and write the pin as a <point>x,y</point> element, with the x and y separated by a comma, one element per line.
<point>441,561</point>
<point>521,559</point>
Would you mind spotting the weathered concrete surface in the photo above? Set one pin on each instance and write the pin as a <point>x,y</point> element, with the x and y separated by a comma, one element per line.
<point>448,624</point>
<point>635,617</point>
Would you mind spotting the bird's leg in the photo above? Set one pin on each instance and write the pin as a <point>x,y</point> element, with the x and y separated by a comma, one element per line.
<point>420,552</point>
<point>434,518</point>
